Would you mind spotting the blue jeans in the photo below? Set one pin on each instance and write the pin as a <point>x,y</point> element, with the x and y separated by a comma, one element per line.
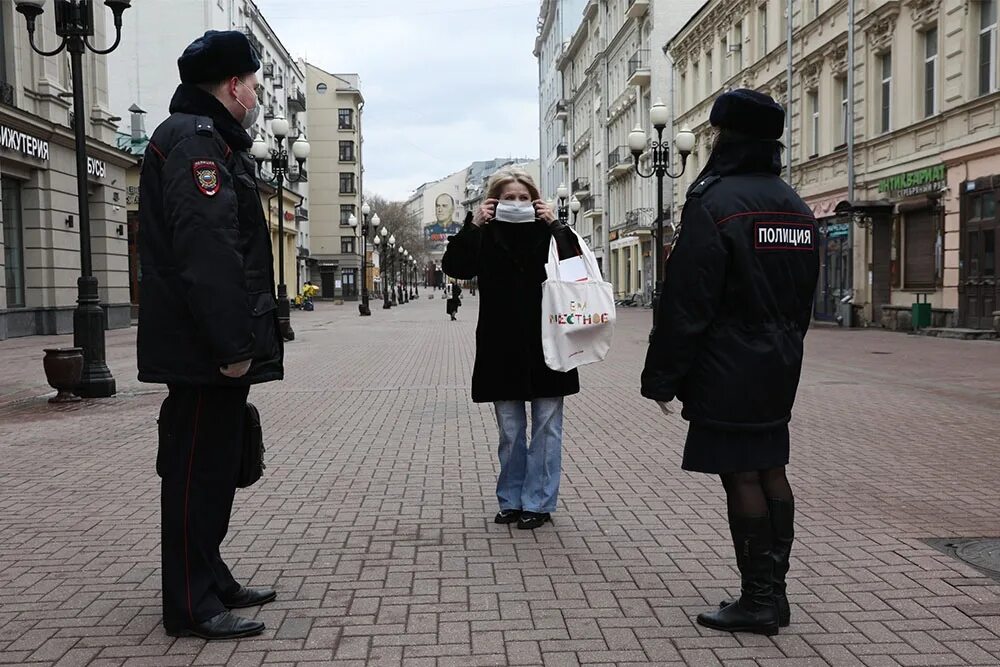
<point>529,476</point>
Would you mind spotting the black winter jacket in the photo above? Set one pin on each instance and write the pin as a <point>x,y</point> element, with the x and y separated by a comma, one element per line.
<point>207,288</point>
<point>509,260</point>
<point>738,295</point>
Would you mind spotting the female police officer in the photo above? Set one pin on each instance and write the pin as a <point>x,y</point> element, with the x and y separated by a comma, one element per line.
<point>736,305</point>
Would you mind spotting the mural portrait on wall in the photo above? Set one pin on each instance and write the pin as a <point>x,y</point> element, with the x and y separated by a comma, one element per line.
<point>444,224</point>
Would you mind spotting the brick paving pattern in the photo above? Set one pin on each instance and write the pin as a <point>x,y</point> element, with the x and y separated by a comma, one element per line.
<point>374,518</point>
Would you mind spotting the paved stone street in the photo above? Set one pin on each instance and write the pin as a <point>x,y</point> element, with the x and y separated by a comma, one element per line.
<point>374,518</point>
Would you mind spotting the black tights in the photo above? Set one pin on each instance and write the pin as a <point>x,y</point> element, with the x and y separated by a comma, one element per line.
<point>747,493</point>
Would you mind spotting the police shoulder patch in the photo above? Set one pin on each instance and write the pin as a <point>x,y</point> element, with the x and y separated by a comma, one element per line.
<point>206,177</point>
<point>784,236</point>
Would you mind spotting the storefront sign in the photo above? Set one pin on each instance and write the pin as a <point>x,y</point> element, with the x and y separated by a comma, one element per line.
<point>96,168</point>
<point>915,182</point>
<point>22,143</point>
<point>836,230</point>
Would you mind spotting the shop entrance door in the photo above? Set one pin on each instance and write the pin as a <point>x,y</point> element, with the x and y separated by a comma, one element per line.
<point>978,287</point>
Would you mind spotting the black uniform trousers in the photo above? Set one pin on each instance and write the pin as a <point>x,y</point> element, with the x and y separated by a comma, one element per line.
<point>201,439</point>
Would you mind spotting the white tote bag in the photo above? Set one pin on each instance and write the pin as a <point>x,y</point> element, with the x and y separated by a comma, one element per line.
<point>578,311</point>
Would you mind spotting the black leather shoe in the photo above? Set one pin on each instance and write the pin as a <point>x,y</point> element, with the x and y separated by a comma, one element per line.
<point>221,626</point>
<point>532,520</point>
<point>248,597</point>
<point>507,516</point>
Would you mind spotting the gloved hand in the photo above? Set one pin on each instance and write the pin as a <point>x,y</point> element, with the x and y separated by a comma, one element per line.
<point>237,370</point>
<point>665,407</point>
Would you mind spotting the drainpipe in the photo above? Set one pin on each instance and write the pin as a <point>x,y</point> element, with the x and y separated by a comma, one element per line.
<point>851,36</point>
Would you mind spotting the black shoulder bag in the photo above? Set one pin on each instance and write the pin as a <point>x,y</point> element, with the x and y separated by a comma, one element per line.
<point>252,462</point>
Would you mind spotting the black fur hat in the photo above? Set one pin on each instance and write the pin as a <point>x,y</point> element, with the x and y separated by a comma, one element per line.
<point>217,55</point>
<point>750,113</point>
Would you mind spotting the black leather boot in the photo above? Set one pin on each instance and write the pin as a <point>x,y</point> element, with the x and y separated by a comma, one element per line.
<point>756,610</point>
<point>782,535</point>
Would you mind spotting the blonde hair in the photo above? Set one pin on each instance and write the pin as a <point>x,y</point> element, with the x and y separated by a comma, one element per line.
<point>504,177</point>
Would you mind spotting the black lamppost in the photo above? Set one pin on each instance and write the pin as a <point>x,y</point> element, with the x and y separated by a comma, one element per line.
<point>401,283</point>
<point>366,228</point>
<point>392,264</point>
<point>562,192</point>
<point>280,174</point>
<point>574,206</point>
<point>659,116</point>
<point>75,25</point>
<point>413,283</point>
<point>383,270</point>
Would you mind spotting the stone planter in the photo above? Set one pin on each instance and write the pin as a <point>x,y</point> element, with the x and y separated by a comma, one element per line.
<point>64,371</point>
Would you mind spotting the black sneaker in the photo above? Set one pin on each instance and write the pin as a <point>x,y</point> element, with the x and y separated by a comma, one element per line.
<point>532,520</point>
<point>507,516</point>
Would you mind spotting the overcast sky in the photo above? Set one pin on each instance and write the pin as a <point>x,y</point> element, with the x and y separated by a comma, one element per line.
<point>446,82</point>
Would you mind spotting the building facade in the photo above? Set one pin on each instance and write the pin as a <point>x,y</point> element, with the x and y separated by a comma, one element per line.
<point>438,207</point>
<point>40,230</point>
<point>335,120</point>
<point>922,222</point>
<point>141,77</point>
<point>608,73</point>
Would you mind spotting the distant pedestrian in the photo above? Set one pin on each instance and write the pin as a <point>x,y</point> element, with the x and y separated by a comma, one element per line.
<point>729,341</point>
<point>207,324</point>
<point>506,245</point>
<point>454,299</point>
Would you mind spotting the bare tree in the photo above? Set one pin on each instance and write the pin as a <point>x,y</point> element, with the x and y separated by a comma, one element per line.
<point>405,227</point>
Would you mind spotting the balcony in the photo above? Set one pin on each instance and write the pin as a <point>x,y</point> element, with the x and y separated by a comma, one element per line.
<point>581,188</point>
<point>269,112</point>
<point>7,95</point>
<point>638,68</point>
<point>297,101</point>
<point>620,160</point>
<point>254,41</point>
<point>301,175</point>
<point>639,218</point>
<point>637,8</point>
<point>268,70</point>
<point>562,110</point>
<point>301,214</point>
<point>590,11</point>
<point>279,82</point>
<point>592,207</point>
<point>562,152</point>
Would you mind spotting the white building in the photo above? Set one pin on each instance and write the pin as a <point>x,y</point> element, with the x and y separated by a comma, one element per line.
<point>39,218</point>
<point>598,86</point>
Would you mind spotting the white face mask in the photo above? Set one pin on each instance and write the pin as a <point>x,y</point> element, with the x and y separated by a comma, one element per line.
<point>250,119</point>
<point>515,212</point>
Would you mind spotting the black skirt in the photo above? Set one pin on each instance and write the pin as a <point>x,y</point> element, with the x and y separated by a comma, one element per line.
<point>717,452</point>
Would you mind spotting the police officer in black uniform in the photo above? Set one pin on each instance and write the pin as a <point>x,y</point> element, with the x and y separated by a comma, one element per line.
<point>207,323</point>
<point>737,302</point>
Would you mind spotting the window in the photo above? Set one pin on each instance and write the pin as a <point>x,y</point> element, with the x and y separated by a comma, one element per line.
<point>930,71</point>
<point>347,245</point>
<point>346,211</point>
<point>737,47</point>
<point>813,97</point>
<point>987,46</point>
<point>885,117</point>
<point>346,119</point>
<point>347,184</point>
<point>762,31</point>
<point>724,65</point>
<point>920,251</point>
<point>695,82</point>
<point>709,74</point>
<point>845,115</point>
<point>349,282</point>
<point>321,88</point>
<point>13,238</point>
<point>814,8</point>
<point>347,151</point>
<point>682,92</point>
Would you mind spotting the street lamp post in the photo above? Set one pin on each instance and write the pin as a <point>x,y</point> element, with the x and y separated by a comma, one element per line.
<point>413,273</point>
<point>280,174</point>
<point>366,212</point>
<point>659,116</point>
<point>401,285</point>
<point>75,25</point>
<point>574,206</point>
<point>383,254</point>
<point>562,192</point>
<point>392,262</point>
